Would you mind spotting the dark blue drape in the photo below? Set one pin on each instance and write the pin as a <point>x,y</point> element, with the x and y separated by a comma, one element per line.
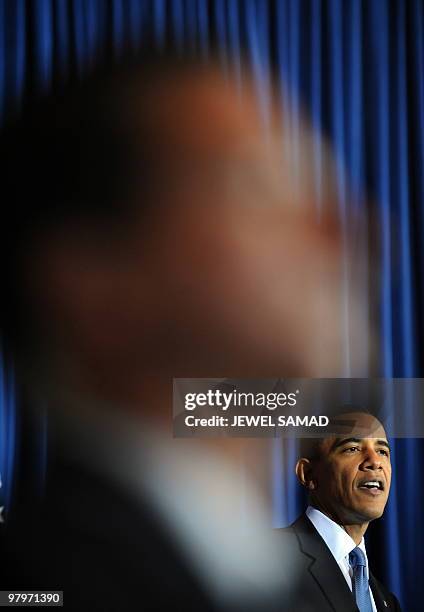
<point>357,66</point>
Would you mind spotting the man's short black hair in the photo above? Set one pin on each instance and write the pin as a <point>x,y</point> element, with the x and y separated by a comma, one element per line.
<point>309,448</point>
<point>343,396</point>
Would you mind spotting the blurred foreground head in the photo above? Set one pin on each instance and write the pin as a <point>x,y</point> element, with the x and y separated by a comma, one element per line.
<point>157,230</point>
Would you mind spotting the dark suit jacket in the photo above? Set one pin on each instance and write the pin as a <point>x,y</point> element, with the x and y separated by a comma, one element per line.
<point>107,551</point>
<point>104,551</point>
<point>321,585</point>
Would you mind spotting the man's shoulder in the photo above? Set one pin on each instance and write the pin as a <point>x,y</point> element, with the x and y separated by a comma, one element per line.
<point>302,538</point>
<point>301,526</point>
<point>299,538</point>
<point>99,544</point>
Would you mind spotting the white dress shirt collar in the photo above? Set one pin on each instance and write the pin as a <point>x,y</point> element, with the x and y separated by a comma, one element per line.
<point>337,539</point>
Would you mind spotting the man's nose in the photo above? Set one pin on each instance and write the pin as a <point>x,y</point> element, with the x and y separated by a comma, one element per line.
<point>372,460</point>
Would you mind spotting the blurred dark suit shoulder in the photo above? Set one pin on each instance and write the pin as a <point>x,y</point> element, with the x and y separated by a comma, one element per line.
<point>321,586</point>
<point>104,550</point>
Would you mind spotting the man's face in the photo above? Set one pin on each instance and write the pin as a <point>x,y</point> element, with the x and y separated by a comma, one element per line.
<point>352,473</point>
<point>230,272</point>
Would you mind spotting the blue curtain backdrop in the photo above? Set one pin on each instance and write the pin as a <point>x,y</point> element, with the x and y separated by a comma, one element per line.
<point>358,68</point>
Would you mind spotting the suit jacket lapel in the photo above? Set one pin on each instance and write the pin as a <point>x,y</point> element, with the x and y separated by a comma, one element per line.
<point>324,567</point>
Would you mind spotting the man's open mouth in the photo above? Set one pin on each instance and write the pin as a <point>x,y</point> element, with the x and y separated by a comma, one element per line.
<point>372,485</point>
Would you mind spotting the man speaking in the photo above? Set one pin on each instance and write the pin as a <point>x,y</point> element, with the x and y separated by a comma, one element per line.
<point>347,477</point>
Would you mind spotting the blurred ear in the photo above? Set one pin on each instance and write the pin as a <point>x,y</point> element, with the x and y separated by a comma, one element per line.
<point>304,473</point>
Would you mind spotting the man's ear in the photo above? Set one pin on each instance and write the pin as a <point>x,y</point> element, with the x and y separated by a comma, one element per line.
<point>304,473</point>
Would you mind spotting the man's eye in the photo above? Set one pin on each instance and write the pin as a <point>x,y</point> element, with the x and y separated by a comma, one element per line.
<point>383,452</point>
<point>351,449</point>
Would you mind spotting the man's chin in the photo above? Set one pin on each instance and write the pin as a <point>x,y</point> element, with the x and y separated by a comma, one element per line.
<point>368,514</point>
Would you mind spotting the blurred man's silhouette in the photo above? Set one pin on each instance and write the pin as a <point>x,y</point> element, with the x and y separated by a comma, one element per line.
<point>156,232</point>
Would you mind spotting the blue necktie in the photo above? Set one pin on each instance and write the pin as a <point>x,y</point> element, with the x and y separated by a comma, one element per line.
<point>360,586</point>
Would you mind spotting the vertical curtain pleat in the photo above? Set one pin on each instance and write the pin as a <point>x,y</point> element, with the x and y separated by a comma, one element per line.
<point>159,23</point>
<point>381,167</point>
<point>257,32</point>
<point>62,49</point>
<point>233,17</point>
<point>136,10</point>
<point>177,25</point>
<point>3,56</point>
<point>203,27</point>
<point>407,365</point>
<point>43,37</point>
<point>316,97</point>
<point>7,434</point>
